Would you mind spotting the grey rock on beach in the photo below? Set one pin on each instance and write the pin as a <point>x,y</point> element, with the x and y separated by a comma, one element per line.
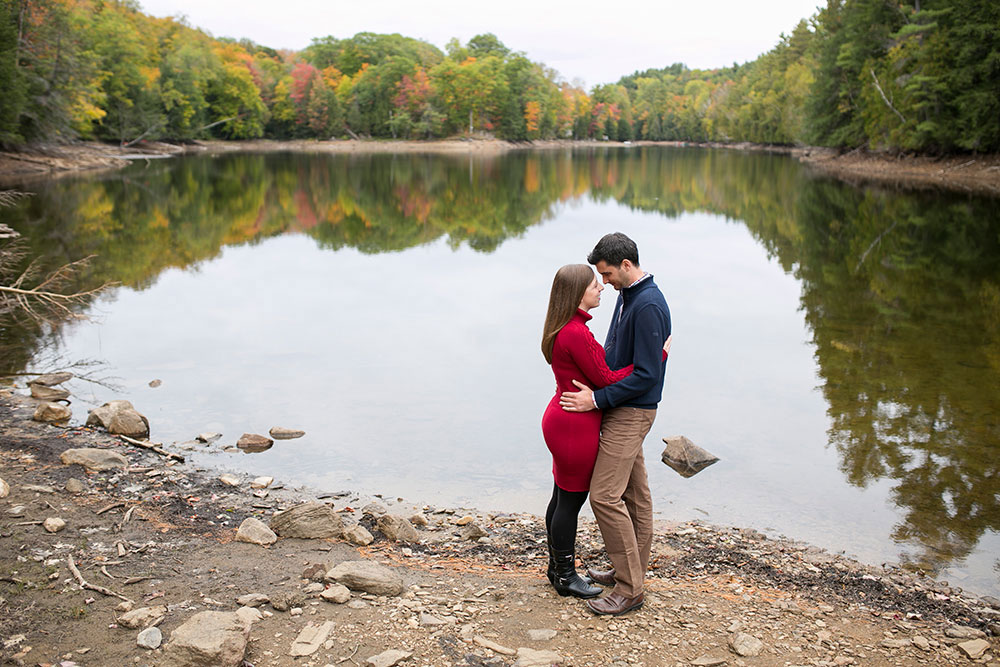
<point>217,638</point>
<point>364,575</point>
<point>44,393</point>
<point>52,413</point>
<point>309,521</point>
<point>94,459</point>
<point>119,417</point>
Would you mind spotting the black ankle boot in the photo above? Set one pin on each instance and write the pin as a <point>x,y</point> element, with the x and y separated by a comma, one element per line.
<point>566,581</point>
<point>551,572</point>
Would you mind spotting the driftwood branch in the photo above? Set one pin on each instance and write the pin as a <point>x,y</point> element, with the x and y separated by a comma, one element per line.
<point>84,584</point>
<point>219,122</point>
<point>884,98</point>
<point>43,301</point>
<point>153,446</point>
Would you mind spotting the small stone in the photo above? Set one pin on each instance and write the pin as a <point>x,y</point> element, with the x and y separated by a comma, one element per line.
<point>261,482</point>
<point>964,632</point>
<point>388,658</point>
<point>252,443</point>
<point>4,489</point>
<point>279,433</point>
<point>541,635</point>
<point>397,529</point>
<point>229,479</point>
<point>252,600</point>
<point>894,643</point>
<point>94,459</point>
<point>250,615</point>
<point>208,437</point>
<point>142,617</point>
<point>313,588</point>
<point>375,509</point>
<point>493,646</point>
<point>473,532</point>
<point>16,512</point>
<point>708,661</point>
<point>357,604</point>
<point>286,601</point>
<point>527,657</point>
<point>974,649</point>
<point>255,531</point>
<point>920,642</point>
<point>51,379</point>
<point>53,524</point>
<point>419,519</point>
<point>52,413</point>
<point>430,620</point>
<point>310,639</point>
<point>745,645</point>
<point>155,383</point>
<point>358,534</point>
<point>337,594</point>
<point>73,485</point>
<point>315,572</point>
<point>150,638</point>
<point>37,488</point>
<point>465,520</point>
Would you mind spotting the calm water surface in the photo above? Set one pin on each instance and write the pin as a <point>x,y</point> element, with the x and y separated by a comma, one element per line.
<point>838,348</point>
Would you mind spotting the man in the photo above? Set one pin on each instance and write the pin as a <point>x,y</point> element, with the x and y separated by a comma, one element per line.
<point>619,488</point>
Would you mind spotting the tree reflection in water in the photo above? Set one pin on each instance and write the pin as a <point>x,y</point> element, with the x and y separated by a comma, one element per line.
<point>901,290</point>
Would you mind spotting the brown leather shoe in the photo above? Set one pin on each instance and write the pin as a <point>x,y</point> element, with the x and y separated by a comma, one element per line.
<point>602,577</point>
<point>614,604</point>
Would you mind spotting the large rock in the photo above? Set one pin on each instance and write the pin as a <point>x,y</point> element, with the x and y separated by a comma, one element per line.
<point>51,379</point>
<point>94,459</point>
<point>309,521</point>
<point>43,393</point>
<point>364,575</point>
<point>397,529</point>
<point>51,413</point>
<point>121,418</point>
<point>209,639</point>
<point>255,531</point>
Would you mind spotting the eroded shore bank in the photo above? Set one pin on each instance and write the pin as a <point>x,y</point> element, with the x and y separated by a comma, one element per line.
<point>162,534</point>
<point>975,174</point>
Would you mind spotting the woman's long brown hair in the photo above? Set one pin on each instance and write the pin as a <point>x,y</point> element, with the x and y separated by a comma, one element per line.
<point>568,288</point>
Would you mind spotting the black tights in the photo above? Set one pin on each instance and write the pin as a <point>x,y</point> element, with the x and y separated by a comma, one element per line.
<point>560,517</point>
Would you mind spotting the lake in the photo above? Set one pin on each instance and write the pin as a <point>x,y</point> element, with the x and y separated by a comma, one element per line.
<point>838,347</point>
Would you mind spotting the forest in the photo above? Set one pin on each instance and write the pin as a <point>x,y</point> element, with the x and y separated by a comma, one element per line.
<point>920,76</point>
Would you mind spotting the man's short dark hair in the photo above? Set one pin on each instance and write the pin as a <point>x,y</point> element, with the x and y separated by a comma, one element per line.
<point>613,249</point>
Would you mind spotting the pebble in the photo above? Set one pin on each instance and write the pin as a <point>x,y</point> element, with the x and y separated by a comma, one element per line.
<point>388,658</point>
<point>337,593</point>
<point>541,635</point>
<point>150,638</point>
<point>4,489</point>
<point>974,649</point>
<point>229,479</point>
<point>261,482</point>
<point>53,524</point>
<point>73,485</point>
<point>252,600</point>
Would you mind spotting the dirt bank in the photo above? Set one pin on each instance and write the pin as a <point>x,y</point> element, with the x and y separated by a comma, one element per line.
<point>980,174</point>
<point>161,532</point>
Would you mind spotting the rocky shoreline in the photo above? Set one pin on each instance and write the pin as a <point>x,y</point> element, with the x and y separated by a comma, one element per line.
<point>974,174</point>
<point>133,563</point>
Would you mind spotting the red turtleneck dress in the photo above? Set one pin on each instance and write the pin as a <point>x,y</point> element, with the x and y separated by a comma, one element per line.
<point>572,437</point>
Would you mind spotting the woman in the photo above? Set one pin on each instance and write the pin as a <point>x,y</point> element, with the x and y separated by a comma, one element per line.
<point>572,437</point>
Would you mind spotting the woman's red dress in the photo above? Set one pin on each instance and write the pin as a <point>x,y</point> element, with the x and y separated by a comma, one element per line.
<point>572,437</point>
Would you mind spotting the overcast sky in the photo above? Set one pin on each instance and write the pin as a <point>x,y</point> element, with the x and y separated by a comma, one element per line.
<point>592,42</point>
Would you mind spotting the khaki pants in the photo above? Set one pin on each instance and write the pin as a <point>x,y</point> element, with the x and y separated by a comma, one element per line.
<point>620,498</point>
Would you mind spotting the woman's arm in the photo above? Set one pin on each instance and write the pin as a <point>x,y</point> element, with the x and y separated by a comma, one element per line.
<point>588,354</point>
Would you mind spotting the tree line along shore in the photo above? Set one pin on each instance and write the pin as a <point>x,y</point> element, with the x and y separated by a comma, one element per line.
<point>891,76</point>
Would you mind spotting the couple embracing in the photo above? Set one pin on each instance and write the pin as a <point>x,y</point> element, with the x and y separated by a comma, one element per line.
<point>594,426</point>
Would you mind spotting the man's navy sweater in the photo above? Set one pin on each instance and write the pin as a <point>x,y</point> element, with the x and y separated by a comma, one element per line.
<point>639,328</point>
